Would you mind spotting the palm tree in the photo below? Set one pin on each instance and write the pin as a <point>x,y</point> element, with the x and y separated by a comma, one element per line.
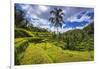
<point>56,18</point>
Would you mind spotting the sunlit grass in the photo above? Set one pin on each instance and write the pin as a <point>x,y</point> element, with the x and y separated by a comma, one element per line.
<point>49,53</point>
<point>35,55</point>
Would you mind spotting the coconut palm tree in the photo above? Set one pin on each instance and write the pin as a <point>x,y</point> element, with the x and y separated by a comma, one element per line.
<point>56,18</point>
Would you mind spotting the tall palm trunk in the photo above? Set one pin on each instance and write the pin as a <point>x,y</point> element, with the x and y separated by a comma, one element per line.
<point>57,34</point>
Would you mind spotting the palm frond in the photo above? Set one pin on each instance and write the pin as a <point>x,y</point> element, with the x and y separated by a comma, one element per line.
<point>52,12</point>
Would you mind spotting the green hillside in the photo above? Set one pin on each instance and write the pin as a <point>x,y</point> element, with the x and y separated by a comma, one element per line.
<point>33,47</point>
<point>80,39</point>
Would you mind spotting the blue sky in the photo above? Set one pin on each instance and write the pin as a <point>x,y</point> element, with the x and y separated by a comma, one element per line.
<point>74,17</point>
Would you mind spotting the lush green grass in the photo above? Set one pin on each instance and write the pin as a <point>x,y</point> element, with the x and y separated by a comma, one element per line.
<point>47,52</point>
<point>35,55</point>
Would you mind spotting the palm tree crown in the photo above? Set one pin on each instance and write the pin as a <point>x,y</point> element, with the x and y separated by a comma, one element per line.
<point>56,18</point>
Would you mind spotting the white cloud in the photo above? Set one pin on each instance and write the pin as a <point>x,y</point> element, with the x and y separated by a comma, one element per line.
<point>25,7</point>
<point>81,27</point>
<point>34,16</point>
<point>61,30</point>
<point>83,18</point>
<point>43,8</point>
<point>41,23</point>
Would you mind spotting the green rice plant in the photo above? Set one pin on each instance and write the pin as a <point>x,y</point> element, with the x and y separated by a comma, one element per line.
<point>19,32</point>
<point>21,46</point>
<point>35,55</point>
<point>18,40</point>
<point>56,53</point>
<point>79,55</point>
<point>59,55</point>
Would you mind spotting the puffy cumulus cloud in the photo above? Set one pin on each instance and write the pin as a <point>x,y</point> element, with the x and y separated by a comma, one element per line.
<point>25,7</point>
<point>43,8</point>
<point>41,23</point>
